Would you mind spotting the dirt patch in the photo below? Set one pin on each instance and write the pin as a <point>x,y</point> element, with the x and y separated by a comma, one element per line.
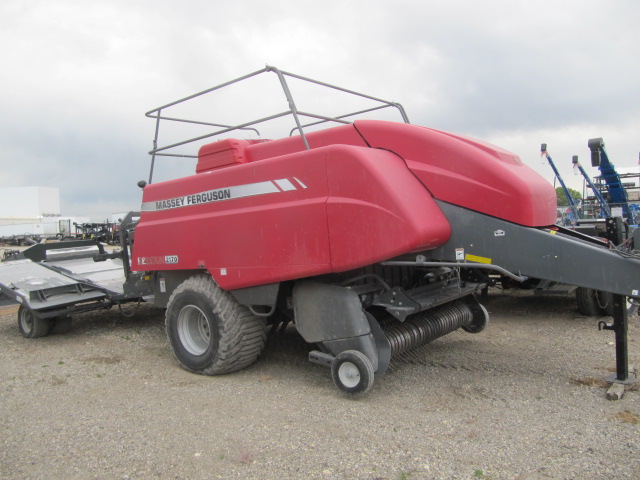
<point>103,360</point>
<point>627,416</point>
<point>526,396</point>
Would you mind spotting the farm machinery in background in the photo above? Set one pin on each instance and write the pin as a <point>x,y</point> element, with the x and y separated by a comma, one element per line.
<point>572,213</point>
<point>612,193</point>
<point>105,232</point>
<point>607,213</point>
<point>599,208</point>
<point>372,237</point>
<point>613,186</point>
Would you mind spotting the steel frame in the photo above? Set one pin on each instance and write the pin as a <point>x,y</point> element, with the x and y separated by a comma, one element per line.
<point>293,110</point>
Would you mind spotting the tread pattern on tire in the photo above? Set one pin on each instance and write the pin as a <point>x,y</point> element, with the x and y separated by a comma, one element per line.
<point>60,325</point>
<point>242,335</point>
<point>39,328</point>
<point>364,366</point>
<point>604,302</point>
<point>585,298</point>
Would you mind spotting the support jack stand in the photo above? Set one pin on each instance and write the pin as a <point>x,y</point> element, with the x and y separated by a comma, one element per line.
<point>620,326</point>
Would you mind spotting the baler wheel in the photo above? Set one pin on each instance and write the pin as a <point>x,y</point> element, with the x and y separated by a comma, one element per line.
<point>352,372</point>
<point>209,331</point>
<point>30,325</point>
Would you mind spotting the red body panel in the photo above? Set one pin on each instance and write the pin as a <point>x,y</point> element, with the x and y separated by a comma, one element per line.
<point>343,135</point>
<point>273,211</point>
<point>377,209</point>
<point>467,172</point>
<point>222,154</point>
<point>316,211</point>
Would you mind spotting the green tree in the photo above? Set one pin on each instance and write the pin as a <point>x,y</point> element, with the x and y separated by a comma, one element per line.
<point>562,198</point>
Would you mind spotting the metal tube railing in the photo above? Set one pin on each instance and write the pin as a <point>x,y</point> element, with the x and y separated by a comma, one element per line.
<point>197,122</point>
<point>220,132</point>
<point>293,111</point>
<point>208,90</point>
<point>345,90</point>
<point>338,118</point>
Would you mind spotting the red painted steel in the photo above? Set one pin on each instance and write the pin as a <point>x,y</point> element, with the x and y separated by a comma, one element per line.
<point>468,172</point>
<point>272,211</point>
<point>343,135</point>
<point>222,154</point>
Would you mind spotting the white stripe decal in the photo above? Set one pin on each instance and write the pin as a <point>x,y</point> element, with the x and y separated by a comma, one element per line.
<point>219,194</point>
<point>301,184</point>
<point>285,185</point>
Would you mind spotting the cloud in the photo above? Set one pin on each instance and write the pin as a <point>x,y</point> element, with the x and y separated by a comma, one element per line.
<point>78,77</point>
<point>565,142</point>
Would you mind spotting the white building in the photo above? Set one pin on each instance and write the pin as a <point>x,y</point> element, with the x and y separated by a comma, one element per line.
<point>18,203</point>
<point>34,211</point>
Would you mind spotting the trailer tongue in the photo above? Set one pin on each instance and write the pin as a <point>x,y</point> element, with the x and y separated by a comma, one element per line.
<point>372,237</point>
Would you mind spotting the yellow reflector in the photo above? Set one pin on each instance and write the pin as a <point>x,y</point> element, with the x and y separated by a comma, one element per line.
<point>477,259</point>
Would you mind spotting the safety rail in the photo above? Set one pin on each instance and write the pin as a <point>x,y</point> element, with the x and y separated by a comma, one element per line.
<point>293,111</point>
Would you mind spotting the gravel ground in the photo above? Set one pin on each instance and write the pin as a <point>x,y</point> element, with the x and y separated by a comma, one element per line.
<point>523,399</point>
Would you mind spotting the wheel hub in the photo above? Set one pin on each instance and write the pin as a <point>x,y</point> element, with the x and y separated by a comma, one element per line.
<point>27,321</point>
<point>194,330</point>
<point>349,374</point>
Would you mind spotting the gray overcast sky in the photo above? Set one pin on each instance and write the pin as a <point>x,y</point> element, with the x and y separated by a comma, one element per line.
<point>78,76</point>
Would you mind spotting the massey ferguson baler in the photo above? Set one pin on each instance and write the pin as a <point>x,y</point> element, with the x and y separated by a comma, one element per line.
<point>372,237</point>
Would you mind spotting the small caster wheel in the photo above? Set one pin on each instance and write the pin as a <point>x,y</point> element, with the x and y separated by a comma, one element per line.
<point>352,372</point>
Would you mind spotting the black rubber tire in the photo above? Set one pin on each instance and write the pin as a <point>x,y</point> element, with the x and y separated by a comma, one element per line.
<point>60,325</point>
<point>594,303</point>
<point>352,372</point>
<point>604,302</point>
<point>31,326</point>
<point>586,299</point>
<point>209,331</point>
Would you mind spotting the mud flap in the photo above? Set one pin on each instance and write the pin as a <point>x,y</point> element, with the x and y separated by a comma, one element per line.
<point>332,317</point>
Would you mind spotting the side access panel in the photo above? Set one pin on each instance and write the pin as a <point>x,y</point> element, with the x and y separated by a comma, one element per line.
<point>329,209</point>
<point>468,172</point>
